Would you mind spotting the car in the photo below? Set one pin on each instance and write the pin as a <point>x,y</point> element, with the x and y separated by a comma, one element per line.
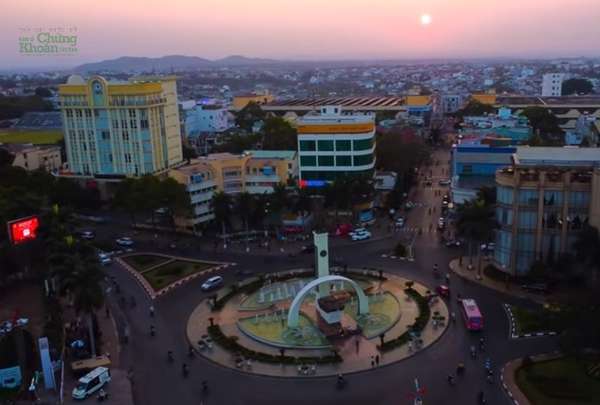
<point>399,222</point>
<point>307,249</point>
<point>363,235</point>
<point>488,247</point>
<point>443,291</point>
<point>452,243</point>
<point>105,261</point>
<point>87,235</point>
<point>212,283</point>
<point>444,182</point>
<point>125,241</point>
<point>161,211</point>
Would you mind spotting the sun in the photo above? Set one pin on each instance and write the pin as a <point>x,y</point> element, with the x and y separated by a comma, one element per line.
<point>425,19</point>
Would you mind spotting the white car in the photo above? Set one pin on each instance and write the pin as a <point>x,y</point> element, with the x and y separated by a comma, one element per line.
<point>363,235</point>
<point>445,182</point>
<point>87,235</point>
<point>212,283</point>
<point>125,241</point>
<point>399,222</point>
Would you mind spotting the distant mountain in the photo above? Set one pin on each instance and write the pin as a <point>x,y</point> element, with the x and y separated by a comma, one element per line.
<point>167,63</point>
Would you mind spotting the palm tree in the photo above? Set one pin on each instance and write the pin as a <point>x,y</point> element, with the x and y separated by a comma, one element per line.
<point>245,207</point>
<point>475,222</point>
<point>221,206</point>
<point>83,284</point>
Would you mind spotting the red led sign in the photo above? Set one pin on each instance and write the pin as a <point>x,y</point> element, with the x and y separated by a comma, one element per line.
<point>23,230</point>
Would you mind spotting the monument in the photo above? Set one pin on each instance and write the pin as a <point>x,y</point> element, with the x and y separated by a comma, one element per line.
<point>329,303</point>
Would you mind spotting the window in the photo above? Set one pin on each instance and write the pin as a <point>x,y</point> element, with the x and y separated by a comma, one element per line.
<point>579,199</point>
<point>362,160</point>
<point>467,169</point>
<point>363,144</point>
<point>308,146</point>
<point>105,135</point>
<point>553,198</point>
<point>308,160</point>
<point>326,160</point>
<point>325,146</point>
<point>125,136</point>
<point>343,145</point>
<point>505,195</point>
<point>527,220</point>
<point>528,197</point>
<point>343,160</point>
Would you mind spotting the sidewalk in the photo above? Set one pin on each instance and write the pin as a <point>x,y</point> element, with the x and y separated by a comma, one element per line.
<point>505,287</point>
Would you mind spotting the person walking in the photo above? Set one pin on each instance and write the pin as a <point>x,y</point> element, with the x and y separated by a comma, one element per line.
<point>151,309</point>
<point>372,361</point>
<point>377,360</point>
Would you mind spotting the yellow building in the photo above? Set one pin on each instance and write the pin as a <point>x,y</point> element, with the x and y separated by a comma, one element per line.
<point>243,100</point>
<point>418,100</point>
<point>126,128</point>
<point>255,172</point>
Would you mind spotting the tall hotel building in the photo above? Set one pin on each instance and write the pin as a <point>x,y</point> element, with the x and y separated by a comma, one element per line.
<point>116,128</point>
<point>331,145</point>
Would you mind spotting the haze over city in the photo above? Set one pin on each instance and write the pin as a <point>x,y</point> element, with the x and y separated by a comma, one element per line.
<point>308,29</point>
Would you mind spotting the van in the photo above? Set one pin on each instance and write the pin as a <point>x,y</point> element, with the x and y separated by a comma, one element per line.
<point>81,367</point>
<point>91,382</point>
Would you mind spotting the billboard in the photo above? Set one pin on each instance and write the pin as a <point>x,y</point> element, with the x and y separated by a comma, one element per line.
<point>23,229</point>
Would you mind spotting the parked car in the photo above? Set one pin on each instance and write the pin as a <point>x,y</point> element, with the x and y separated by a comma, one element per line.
<point>452,243</point>
<point>125,241</point>
<point>87,235</point>
<point>212,283</point>
<point>399,222</point>
<point>444,182</point>
<point>360,234</point>
<point>488,247</point>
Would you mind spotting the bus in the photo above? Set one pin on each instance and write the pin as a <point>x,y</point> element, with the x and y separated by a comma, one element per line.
<point>472,315</point>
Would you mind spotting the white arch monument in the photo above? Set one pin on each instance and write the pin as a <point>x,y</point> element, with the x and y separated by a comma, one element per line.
<point>294,311</point>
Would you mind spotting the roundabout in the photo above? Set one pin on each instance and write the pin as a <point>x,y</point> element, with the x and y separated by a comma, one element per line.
<point>304,322</point>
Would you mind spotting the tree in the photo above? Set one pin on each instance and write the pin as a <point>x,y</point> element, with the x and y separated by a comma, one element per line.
<point>6,158</point>
<point>487,194</point>
<point>278,134</point>
<point>475,222</point>
<point>43,92</point>
<point>221,206</point>
<point>248,115</point>
<point>544,123</point>
<point>189,153</point>
<point>587,248</point>
<point>84,285</point>
<point>475,108</point>
<point>175,198</point>
<point>576,86</point>
<point>128,197</point>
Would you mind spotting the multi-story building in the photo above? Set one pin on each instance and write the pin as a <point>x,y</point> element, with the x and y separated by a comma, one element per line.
<point>203,118</point>
<point>332,144</point>
<point>505,124</point>
<point>552,84</point>
<point>451,103</point>
<point>31,157</point>
<point>543,199</point>
<point>118,128</point>
<point>255,172</point>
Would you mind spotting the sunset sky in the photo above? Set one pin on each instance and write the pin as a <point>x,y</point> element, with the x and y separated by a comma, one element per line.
<point>306,29</point>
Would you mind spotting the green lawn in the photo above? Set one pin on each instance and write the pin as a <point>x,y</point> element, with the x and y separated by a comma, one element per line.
<point>164,275</point>
<point>532,321</point>
<point>558,382</point>
<point>30,136</point>
<point>143,262</point>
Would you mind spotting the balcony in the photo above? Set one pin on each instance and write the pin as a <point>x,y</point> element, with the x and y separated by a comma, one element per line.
<point>201,185</point>
<point>262,179</point>
<point>201,197</point>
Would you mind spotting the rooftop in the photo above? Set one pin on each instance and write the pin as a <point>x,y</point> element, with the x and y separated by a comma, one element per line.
<point>562,101</point>
<point>272,154</point>
<point>556,156</point>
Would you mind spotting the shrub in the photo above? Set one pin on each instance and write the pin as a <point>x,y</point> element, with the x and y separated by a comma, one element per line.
<point>420,321</point>
<point>230,343</point>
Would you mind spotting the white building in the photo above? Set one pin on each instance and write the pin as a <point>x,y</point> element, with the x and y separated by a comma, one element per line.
<point>552,84</point>
<point>203,118</point>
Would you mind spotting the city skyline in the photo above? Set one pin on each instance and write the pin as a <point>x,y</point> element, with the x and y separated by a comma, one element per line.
<point>349,30</point>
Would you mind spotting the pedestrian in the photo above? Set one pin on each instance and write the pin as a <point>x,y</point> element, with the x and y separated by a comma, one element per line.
<point>453,316</point>
<point>372,361</point>
<point>357,345</point>
<point>377,360</point>
<point>447,278</point>
<point>152,311</point>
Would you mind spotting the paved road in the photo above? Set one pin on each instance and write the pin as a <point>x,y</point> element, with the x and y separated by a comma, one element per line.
<point>157,382</point>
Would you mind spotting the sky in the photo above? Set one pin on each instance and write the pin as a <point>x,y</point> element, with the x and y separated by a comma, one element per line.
<point>301,29</point>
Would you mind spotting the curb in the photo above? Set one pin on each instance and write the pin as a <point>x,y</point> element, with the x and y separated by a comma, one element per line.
<point>153,294</point>
<point>505,387</point>
<point>513,327</point>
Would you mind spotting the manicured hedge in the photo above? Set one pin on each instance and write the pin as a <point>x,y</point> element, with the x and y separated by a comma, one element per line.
<point>418,326</point>
<point>230,343</point>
